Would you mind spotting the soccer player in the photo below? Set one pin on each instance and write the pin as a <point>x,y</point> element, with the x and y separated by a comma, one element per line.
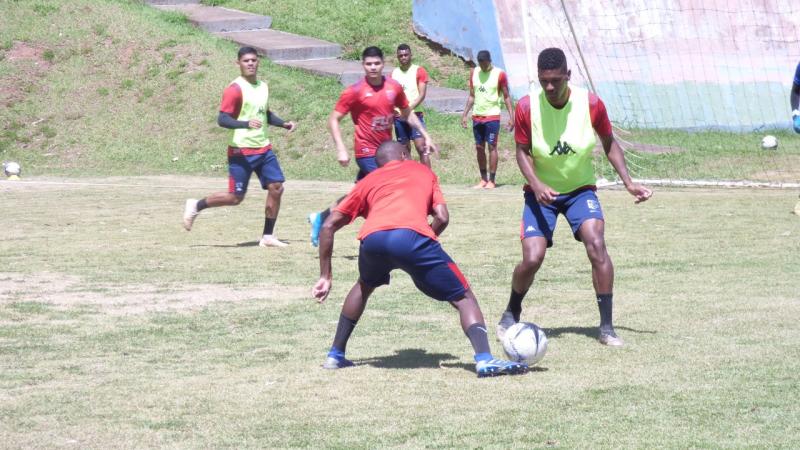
<point>370,102</point>
<point>245,110</point>
<point>486,86</point>
<point>395,201</point>
<point>555,137</point>
<point>794,100</point>
<point>414,80</point>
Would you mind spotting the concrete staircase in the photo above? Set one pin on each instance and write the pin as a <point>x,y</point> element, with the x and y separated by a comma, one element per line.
<point>291,50</point>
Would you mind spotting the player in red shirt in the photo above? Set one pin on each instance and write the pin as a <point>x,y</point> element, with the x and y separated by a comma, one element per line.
<point>370,102</point>
<point>396,200</point>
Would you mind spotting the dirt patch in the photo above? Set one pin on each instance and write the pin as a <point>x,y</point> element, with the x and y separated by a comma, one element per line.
<point>28,63</point>
<point>69,291</point>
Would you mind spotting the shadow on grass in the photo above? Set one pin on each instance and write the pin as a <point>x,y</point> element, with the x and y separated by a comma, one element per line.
<point>410,358</point>
<point>587,331</point>
<point>238,245</point>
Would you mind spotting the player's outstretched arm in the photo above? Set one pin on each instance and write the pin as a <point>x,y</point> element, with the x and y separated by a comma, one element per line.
<point>334,222</point>
<point>225,120</point>
<point>616,157</point>
<point>544,193</point>
<point>276,121</point>
<point>441,218</point>
<point>336,133</point>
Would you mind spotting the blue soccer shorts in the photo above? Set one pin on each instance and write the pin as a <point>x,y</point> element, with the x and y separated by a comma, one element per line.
<point>240,167</point>
<point>486,132</point>
<point>405,132</point>
<point>540,220</point>
<point>366,166</point>
<point>432,270</point>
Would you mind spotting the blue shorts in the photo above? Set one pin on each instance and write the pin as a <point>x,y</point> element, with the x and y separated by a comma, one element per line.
<point>240,168</point>
<point>540,220</point>
<point>365,167</point>
<point>486,132</point>
<point>431,269</point>
<point>405,132</point>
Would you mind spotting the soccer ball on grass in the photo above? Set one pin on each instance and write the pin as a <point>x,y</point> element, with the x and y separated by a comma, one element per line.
<point>769,142</point>
<point>11,169</point>
<point>525,342</point>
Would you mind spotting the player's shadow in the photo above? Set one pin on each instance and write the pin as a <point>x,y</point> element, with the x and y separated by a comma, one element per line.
<point>237,245</point>
<point>587,331</point>
<point>410,358</point>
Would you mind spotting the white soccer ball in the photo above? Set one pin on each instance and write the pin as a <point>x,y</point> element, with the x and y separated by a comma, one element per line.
<point>769,142</point>
<point>11,168</point>
<point>525,342</point>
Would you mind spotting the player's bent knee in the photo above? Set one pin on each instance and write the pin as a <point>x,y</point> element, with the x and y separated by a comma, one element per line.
<point>275,188</point>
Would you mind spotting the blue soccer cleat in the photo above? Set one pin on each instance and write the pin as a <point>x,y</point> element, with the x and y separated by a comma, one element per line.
<point>333,362</point>
<point>315,219</point>
<point>496,367</point>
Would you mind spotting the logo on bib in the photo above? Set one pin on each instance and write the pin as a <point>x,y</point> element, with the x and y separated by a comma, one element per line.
<point>562,148</point>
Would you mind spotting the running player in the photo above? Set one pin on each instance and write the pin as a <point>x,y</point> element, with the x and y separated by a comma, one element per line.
<point>414,80</point>
<point>794,100</point>
<point>395,201</point>
<point>486,86</point>
<point>555,136</point>
<point>370,103</point>
<point>245,110</point>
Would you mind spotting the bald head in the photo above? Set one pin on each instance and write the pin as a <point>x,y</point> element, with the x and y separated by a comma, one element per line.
<point>390,151</point>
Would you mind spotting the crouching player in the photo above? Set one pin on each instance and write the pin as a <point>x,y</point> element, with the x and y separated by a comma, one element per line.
<point>396,200</point>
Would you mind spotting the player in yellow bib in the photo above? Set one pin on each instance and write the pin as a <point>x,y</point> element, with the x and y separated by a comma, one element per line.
<point>414,80</point>
<point>245,110</point>
<point>555,137</point>
<point>488,91</point>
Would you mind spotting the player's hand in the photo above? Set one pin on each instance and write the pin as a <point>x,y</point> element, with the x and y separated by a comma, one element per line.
<point>343,156</point>
<point>463,121</point>
<point>545,195</point>
<point>641,193</point>
<point>290,126</point>
<point>429,146</point>
<point>796,121</point>
<point>510,125</point>
<point>254,123</point>
<point>321,290</point>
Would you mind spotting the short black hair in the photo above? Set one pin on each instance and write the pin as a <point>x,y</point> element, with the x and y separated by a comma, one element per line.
<point>403,47</point>
<point>484,55</point>
<point>372,52</point>
<point>551,58</point>
<point>247,51</point>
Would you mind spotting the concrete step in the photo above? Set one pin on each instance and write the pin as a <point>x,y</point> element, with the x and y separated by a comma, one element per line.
<point>216,19</point>
<point>280,46</point>
<point>445,100</point>
<point>346,71</point>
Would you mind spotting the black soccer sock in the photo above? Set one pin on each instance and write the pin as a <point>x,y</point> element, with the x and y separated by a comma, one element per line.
<point>269,225</point>
<point>343,331</point>
<point>483,175</point>
<point>479,338</point>
<point>491,176</point>
<point>605,304</point>
<point>515,304</point>
<point>201,205</point>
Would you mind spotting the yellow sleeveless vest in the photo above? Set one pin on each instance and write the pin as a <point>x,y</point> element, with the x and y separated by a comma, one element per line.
<point>408,80</point>
<point>488,98</point>
<point>562,141</point>
<point>254,106</point>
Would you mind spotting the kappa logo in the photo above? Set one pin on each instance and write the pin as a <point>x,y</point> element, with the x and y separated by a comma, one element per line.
<point>481,89</point>
<point>562,148</point>
<point>592,205</point>
<point>530,228</point>
<point>261,111</point>
<point>368,94</point>
<point>390,94</point>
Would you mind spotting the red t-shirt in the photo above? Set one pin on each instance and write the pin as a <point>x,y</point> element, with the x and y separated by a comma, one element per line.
<point>232,104</point>
<point>372,111</point>
<point>401,194</point>
<point>502,81</point>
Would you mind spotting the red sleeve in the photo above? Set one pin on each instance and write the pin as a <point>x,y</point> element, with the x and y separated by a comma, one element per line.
<point>502,80</point>
<point>599,116</point>
<point>345,101</point>
<point>400,100</point>
<point>422,75</point>
<point>522,121</point>
<point>438,197</point>
<point>231,100</point>
<point>353,204</point>
<point>471,72</point>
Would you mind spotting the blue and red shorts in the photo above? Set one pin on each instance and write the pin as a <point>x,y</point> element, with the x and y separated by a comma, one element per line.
<point>432,270</point>
<point>240,167</point>
<point>366,165</point>
<point>485,131</point>
<point>540,220</point>
<point>405,132</point>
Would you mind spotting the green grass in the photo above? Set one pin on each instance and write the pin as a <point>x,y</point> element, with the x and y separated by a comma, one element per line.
<point>121,330</point>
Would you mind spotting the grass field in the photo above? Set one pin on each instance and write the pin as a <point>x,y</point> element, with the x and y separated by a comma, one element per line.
<point>120,330</point>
